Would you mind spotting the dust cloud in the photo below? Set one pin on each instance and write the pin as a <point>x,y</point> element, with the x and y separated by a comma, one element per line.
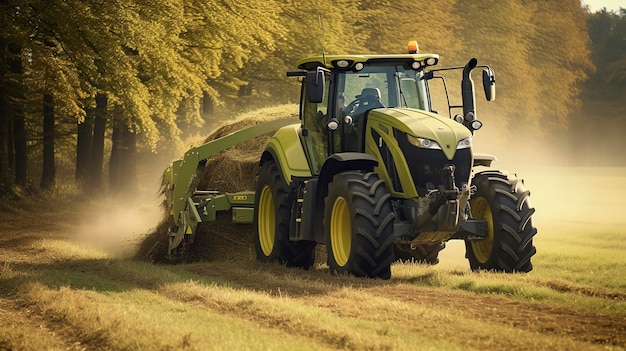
<point>565,199</point>
<point>117,223</point>
<point>576,183</point>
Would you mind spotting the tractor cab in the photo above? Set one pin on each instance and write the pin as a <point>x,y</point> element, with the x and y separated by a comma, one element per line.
<point>340,92</point>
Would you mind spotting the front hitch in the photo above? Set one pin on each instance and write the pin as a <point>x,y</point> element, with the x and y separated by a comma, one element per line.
<point>472,229</point>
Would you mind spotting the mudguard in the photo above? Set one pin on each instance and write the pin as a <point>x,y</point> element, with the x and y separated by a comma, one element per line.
<point>286,149</point>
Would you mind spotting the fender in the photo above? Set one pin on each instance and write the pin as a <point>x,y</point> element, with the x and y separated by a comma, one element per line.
<point>336,163</point>
<point>485,160</point>
<point>286,150</point>
<point>345,161</point>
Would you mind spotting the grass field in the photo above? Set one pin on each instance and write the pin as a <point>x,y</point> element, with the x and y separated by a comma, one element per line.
<point>67,282</point>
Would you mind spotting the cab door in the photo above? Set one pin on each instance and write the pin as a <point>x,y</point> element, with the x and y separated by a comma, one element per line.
<point>314,131</point>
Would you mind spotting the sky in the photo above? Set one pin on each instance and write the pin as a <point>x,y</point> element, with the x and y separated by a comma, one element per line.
<point>611,5</point>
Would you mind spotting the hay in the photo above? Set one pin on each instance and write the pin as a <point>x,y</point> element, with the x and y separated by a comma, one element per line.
<point>232,170</point>
<point>153,247</point>
<point>235,169</point>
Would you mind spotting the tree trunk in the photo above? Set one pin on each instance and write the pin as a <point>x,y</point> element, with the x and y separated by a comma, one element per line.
<point>83,147</point>
<point>115,161</point>
<point>5,170</point>
<point>97,150</point>
<point>122,164</point>
<point>49,169</point>
<point>129,161</point>
<point>17,114</point>
<point>21,151</point>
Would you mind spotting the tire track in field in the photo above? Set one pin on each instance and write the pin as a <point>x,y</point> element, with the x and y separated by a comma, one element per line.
<point>587,326</point>
<point>457,316</point>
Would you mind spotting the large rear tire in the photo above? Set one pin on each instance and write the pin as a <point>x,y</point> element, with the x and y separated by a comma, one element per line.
<point>502,201</point>
<point>273,203</point>
<point>358,220</point>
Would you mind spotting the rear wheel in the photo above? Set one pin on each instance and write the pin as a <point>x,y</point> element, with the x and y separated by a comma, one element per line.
<point>503,202</point>
<point>272,217</point>
<point>419,253</point>
<point>358,220</point>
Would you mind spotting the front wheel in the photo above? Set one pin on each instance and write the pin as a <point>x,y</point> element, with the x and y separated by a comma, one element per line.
<point>272,218</point>
<point>503,202</point>
<point>358,219</point>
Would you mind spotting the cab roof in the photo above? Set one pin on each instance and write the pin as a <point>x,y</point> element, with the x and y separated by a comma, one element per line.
<point>333,61</point>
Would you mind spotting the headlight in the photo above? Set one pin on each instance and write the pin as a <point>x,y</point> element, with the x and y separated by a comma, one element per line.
<point>476,125</point>
<point>431,61</point>
<point>423,143</point>
<point>464,144</point>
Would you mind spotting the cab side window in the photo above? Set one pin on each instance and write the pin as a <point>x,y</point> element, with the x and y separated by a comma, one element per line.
<point>315,116</point>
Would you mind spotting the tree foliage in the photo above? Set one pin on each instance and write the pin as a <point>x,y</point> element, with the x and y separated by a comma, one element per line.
<point>158,61</point>
<point>607,31</point>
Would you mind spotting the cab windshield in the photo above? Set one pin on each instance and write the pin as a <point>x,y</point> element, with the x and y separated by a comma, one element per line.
<point>392,85</point>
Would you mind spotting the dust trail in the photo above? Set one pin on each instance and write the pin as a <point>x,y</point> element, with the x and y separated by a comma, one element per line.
<point>566,198</point>
<point>116,223</point>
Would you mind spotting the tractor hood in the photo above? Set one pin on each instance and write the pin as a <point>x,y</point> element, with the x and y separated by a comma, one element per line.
<point>446,132</point>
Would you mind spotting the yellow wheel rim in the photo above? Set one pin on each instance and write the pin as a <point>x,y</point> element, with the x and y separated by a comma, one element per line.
<point>266,220</point>
<point>482,248</point>
<point>340,231</point>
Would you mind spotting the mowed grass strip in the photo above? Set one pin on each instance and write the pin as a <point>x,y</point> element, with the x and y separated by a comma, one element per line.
<point>145,320</point>
<point>114,303</point>
<point>117,304</point>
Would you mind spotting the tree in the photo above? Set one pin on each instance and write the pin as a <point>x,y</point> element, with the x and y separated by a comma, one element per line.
<point>501,41</point>
<point>607,31</point>
<point>123,162</point>
<point>49,170</point>
<point>389,25</point>
<point>5,166</point>
<point>16,113</point>
<point>150,67</point>
<point>561,44</point>
<point>599,125</point>
<point>84,143</point>
<point>97,146</point>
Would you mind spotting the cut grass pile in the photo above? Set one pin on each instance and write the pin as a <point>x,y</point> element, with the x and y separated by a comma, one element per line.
<point>232,170</point>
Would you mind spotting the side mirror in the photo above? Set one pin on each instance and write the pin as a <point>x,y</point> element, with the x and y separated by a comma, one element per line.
<point>315,86</point>
<point>489,84</point>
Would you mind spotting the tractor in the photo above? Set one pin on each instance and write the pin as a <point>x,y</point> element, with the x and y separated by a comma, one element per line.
<point>372,172</point>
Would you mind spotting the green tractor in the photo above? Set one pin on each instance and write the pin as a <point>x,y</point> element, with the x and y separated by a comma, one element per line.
<point>372,172</point>
<point>376,176</point>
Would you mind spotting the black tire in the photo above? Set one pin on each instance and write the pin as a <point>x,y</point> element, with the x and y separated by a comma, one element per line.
<point>358,222</point>
<point>273,202</point>
<point>418,253</point>
<point>503,201</point>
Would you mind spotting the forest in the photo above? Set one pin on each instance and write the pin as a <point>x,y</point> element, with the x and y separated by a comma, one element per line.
<point>91,90</point>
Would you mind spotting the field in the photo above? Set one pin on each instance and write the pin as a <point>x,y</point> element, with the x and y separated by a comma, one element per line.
<point>68,282</point>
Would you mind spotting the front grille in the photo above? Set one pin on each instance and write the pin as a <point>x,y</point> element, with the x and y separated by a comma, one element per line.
<point>425,164</point>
